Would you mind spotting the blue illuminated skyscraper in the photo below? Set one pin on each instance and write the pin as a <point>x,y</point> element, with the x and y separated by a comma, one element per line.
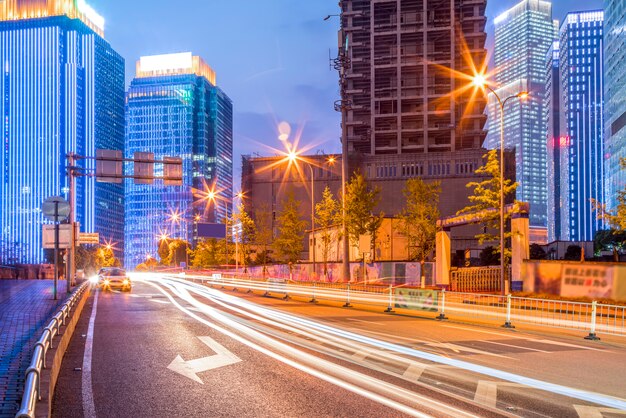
<point>523,36</point>
<point>174,108</point>
<point>61,91</point>
<point>582,122</point>
<point>615,96</point>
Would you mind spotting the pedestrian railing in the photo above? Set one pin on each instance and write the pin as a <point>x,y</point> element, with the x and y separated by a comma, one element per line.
<point>592,317</point>
<point>32,386</point>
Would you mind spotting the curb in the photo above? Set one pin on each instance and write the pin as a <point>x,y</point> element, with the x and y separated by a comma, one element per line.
<point>54,359</point>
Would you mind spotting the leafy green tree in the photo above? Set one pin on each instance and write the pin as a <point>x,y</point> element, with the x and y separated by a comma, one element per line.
<point>165,255</point>
<point>361,201</point>
<point>247,234</point>
<point>485,202</point>
<point>86,259</point>
<point>264,235</point>
<point>106,257</point>
<point>537,252</point>
<point>573,253</point>
<point>327,217</point>
<point>288,244</point>
<point>178,251</point>
<point>611,240</point>
<point>489,256</point>
<point>615,219</point>
<point>208,253</point>
<point>418,219</point>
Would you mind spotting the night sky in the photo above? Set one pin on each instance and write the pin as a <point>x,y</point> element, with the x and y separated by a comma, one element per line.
<point>271,57</point>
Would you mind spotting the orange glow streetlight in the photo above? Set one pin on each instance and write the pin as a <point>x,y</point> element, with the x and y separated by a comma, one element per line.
<point>480,81</point>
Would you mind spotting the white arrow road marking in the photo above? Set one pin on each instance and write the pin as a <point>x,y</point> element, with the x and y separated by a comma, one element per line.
<point>191,368</point>
<point>595,412</point>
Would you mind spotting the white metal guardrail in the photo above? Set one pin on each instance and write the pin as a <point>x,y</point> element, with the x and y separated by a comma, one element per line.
<point>32,386</point>
<point>593,318</point>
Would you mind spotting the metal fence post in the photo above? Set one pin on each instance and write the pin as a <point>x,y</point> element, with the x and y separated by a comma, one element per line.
<point>507,323</point>
<point>250,284</point>
<point>592,332</point>
<point>313,300</point>
<point>442,314</point>
<point>347,304</point>
<point>390,306</point>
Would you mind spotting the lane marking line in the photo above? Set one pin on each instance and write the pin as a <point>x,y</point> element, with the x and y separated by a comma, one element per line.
<point>164,302</point>
<point>89,408</point>
<point>517,346</point>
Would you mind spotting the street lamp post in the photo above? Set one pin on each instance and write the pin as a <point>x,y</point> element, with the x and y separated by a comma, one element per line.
<point>294,157</point>
<point>481,82</point>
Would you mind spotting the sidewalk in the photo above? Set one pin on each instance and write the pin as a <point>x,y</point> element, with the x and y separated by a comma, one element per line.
<point>26,306</point>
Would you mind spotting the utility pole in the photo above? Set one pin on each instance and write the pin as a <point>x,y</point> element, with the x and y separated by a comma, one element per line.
<point>71,160</point>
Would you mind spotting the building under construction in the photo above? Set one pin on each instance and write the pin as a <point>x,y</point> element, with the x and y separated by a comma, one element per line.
<point>400,60</point>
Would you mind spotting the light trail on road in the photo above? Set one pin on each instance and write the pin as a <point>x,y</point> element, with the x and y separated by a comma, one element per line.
<point>362,346</point>
<point>369,387</point>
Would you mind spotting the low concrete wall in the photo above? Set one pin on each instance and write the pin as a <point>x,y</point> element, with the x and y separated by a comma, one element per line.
<point>380,272</point>
<point>575,279</point>
<point>54,358</point>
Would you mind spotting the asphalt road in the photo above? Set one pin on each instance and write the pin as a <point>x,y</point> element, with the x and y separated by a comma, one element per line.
<point>173,349</point>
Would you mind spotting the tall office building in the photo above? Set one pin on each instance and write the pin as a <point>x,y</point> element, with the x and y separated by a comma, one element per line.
<point>174,108</point>
<point>523,36</point>
<point>61,91</point>
<point>615,94</point>
<point>582,121</point>
<point>397,88</point>
<point>557,152</point>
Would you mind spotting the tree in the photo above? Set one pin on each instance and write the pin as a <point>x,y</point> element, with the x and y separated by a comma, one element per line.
<point>537,252</point>
<point>247,234</point>
<point>615,219</point>
<point>418,219</point>
<point>264,234</point>
<point>288,244</point>
<point>207,254</point>
<point>573,253</point>
<point>86,259</point>
<point>360,201</point>
<point>611,240</point>
<point>106,257</point>
<point>164,252</point>
<point>178,251</point>
<point>327,216</point>
<point>486,201</point>
<point>489,256</point>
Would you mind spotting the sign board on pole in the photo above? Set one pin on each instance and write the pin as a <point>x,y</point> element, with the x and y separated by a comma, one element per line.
<point>65,236</point>
<point>210,230</point>
<point>109,166</point>
<point>173,171</point>
<point>144,167</point>
<point>87,238</point>
<point>365,243</point>
<point>55,209</point>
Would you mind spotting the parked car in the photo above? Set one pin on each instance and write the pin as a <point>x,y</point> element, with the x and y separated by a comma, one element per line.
<point>114,277</point>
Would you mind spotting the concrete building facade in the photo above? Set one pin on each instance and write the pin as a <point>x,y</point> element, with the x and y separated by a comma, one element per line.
<point>400,75</point>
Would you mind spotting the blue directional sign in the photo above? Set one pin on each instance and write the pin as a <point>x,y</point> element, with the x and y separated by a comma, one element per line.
<point>209,230</point>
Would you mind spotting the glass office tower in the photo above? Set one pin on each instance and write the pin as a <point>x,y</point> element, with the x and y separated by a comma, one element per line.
<point>523,36</point>
<point>173,108</point>
<point>582,109</point>
<point>615,94</point>
<point>61,91</point>
<point>557,145</point>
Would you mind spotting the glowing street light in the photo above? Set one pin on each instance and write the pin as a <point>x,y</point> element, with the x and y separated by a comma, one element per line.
<point>480,81</point>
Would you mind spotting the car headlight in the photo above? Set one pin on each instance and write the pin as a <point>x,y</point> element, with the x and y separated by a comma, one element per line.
<point>126,282</point>
<point>93,279</point>
<point>106,282</point>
